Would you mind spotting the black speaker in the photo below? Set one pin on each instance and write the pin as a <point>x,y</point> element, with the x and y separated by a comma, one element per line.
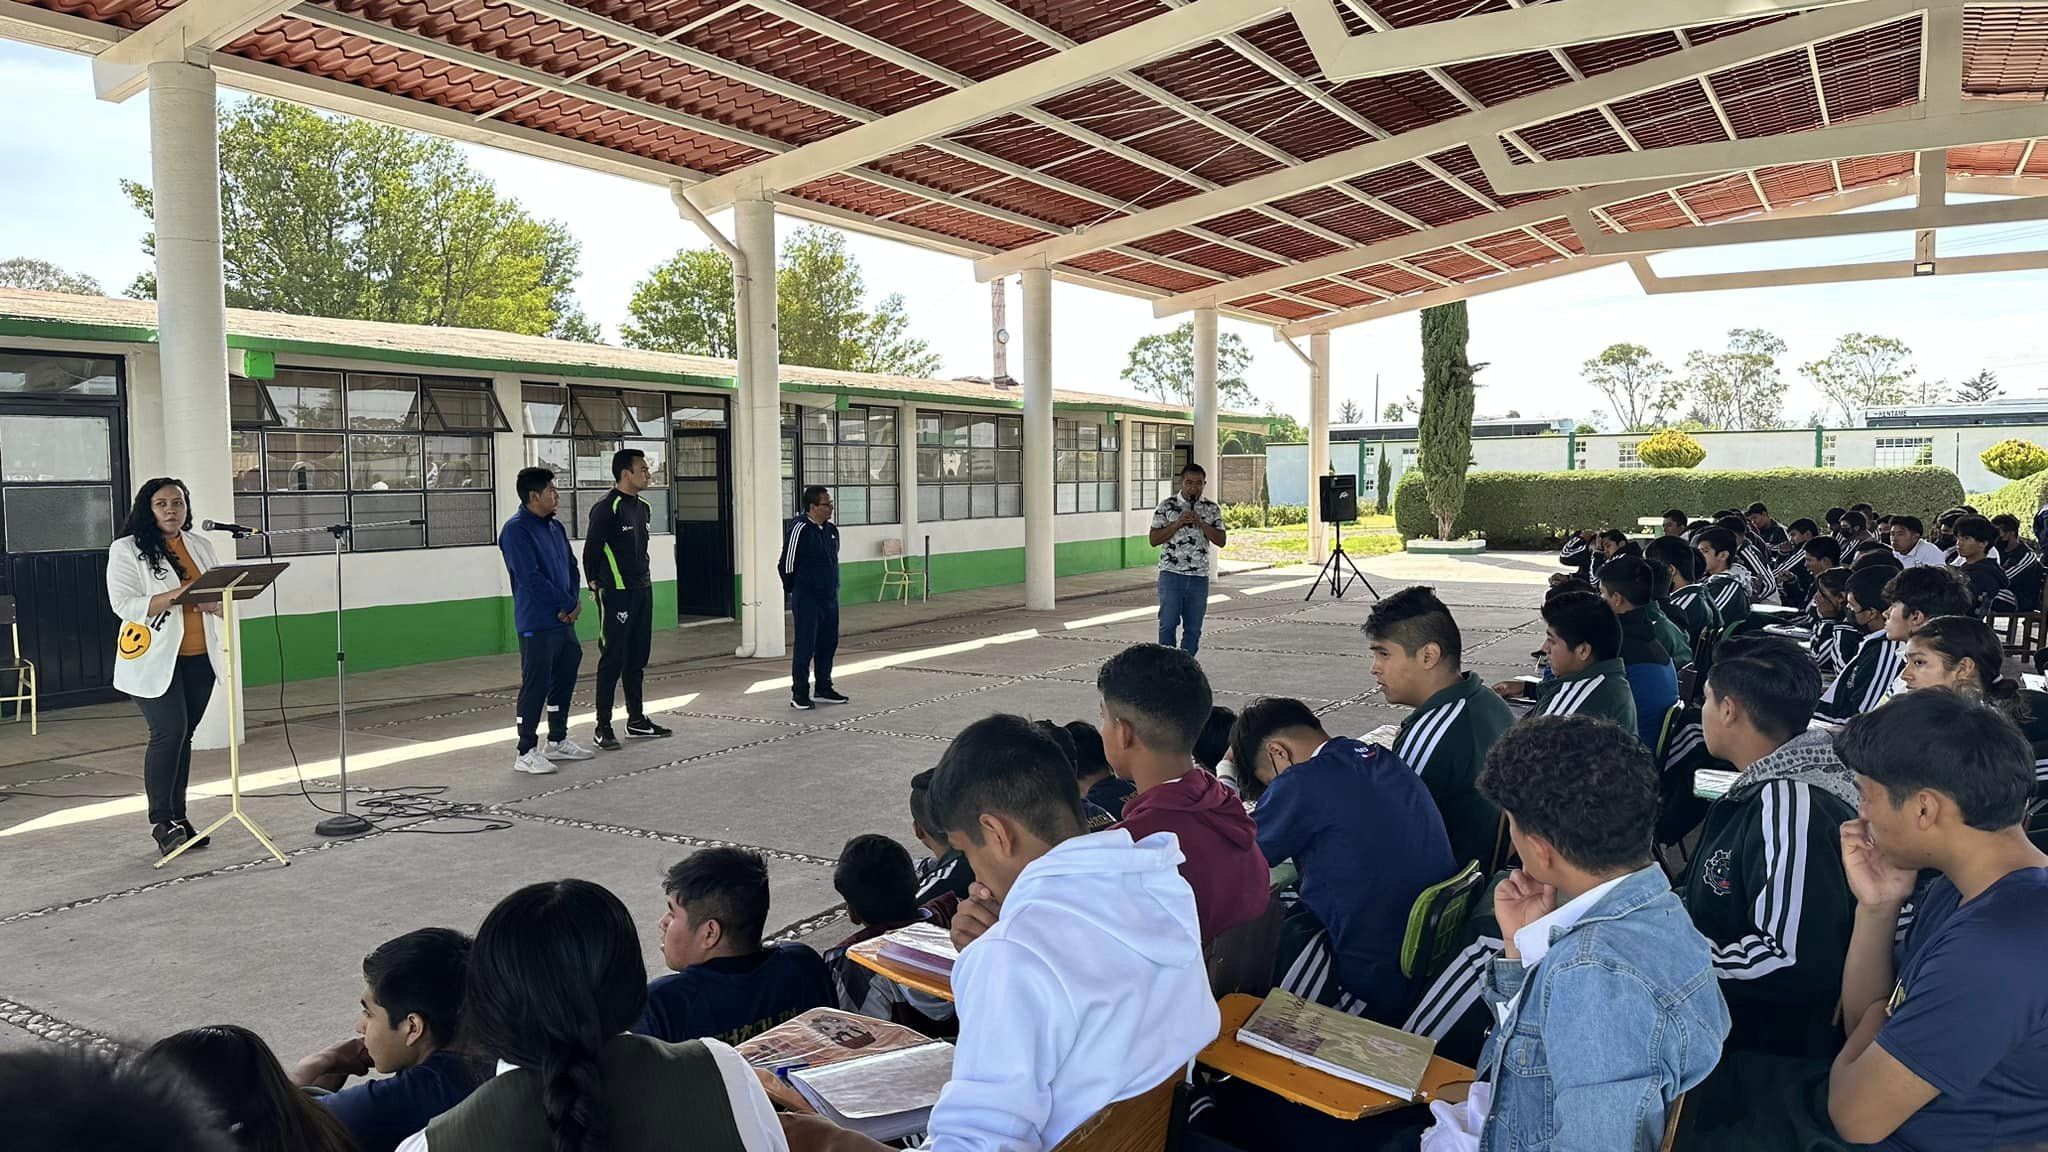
<point>1340,499</point>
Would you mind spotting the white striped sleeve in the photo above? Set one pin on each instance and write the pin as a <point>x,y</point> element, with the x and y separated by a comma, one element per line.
<point>1455,991</point>
<point>1427,733</point>
<point>1772,943</point>
<point>796,533</point>
<point>1570,698</point>
<point>1891,661</point>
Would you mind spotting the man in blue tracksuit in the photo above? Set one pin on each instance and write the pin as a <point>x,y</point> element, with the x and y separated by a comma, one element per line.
<point>810,573</point>
<point>547,596</point>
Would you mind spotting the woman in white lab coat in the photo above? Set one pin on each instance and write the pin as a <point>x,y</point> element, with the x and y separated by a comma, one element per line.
<point>167,656</point>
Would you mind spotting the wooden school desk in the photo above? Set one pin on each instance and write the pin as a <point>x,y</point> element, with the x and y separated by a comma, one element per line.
<point>1330,1095</point>
<point>868,954</point>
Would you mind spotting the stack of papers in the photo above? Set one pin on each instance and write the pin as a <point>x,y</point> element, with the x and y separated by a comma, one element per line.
<point>925,947</point>
<point>1361,1051</point>
<point>825,1036</point>
<point>884,1097</point>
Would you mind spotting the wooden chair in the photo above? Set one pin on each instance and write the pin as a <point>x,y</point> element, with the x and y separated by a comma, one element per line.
<point>898,572</point>
<point>1143,1123</point>
<point>2025,632</point>
<point>1670,1140</point>
<point>24,671</point>
<point>1241,958</point>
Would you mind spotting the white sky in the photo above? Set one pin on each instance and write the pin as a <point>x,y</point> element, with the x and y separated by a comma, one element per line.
<point>60,200</point>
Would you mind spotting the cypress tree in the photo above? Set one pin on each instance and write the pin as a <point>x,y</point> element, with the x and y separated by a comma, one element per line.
<point>1445,432</point>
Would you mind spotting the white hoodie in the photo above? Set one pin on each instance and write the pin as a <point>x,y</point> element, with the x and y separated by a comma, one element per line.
<point>1089,990</point>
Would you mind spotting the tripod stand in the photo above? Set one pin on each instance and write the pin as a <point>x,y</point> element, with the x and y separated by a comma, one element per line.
<point>343,823</point>
<point>1335,569</point>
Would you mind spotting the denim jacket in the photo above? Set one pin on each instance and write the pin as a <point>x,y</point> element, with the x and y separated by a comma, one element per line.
<point>1622,1016</point>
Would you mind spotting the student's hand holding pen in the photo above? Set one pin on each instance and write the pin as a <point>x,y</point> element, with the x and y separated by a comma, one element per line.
<point>976,915</point>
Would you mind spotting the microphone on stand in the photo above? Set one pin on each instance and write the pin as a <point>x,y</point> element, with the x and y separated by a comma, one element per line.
<point>236,530</point>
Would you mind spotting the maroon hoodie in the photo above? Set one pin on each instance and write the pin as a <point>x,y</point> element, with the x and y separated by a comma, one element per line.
<point>1220,844</point>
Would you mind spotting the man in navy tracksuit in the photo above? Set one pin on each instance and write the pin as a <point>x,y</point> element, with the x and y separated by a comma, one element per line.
<point>546,599</point>
<point>810,573</point>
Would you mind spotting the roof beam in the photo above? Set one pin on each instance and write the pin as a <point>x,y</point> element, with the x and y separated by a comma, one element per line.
<point>1727,52</point>
<point>193,26</point>
<point>1147,40</point>
<point>1342,56</point>
<point>1906,130</point>
<point>1784,225</point>
<point>1656,285</point>
<point>1465,291</point>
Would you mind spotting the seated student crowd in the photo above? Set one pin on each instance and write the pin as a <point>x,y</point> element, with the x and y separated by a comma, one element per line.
<point>1582,648</point>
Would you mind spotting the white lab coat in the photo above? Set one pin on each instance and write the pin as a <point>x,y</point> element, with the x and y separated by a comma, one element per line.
<point>144,669</point>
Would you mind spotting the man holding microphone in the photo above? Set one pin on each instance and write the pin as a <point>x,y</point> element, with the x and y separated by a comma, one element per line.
<point>615,564</point>
<point>1184,526</point>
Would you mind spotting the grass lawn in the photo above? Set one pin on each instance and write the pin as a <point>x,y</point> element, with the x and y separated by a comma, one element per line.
<point>1366,536</point>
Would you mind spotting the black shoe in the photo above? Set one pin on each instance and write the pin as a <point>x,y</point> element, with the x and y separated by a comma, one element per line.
<point>198,841</point>
<point>641,728</point>
<point>168,837</point>
<point>801,703</point>
<point>605,741</point>
<point>829,696</point>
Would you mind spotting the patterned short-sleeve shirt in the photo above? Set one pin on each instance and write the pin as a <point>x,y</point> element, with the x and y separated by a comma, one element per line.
<point>1186,551</point>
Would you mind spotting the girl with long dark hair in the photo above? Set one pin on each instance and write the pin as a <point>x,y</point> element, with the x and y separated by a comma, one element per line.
<point>1964,654</point>
<point>257,1104</point>
<point>555,980</point>
<point>167,656</point>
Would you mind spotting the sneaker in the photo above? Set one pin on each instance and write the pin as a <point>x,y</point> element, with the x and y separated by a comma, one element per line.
<point>533,763</point>
<point>192,833</point>
<point>829,696</point>
<point>801,703</point>
<point>641,728</point>
<point>566,749</point>
<point>168,837</point>
<point>606,742</point>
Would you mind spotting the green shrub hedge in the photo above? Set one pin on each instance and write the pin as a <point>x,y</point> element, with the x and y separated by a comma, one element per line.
<point>2021,498</point>
<point>1276,515</point>
<point>1535,509</point>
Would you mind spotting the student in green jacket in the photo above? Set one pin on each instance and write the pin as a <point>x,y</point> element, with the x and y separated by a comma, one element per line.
<point>1582,642</point>
<point>1727,588</point>
<point>1685,604</point>
<point>1416,654</point>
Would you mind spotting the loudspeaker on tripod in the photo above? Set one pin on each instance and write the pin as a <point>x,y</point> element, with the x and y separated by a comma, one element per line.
<point>1340,499</point>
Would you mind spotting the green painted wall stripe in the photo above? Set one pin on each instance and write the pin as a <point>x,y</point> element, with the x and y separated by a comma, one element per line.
<point>563,367</point>
<point>70,330</point>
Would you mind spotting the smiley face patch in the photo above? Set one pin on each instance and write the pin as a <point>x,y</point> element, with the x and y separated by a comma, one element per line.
<point>132,641</point>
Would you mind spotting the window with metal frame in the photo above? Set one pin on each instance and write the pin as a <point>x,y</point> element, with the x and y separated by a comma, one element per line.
<point>575,430</point>
<point>1155,465</point>
<point>60,453</point>
<point>1625,454</point>
<point>970,465</point>
<point>313,447</point>
<point>1084,464</point>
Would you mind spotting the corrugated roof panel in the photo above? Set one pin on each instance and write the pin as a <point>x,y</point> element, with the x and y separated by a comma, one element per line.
<point>1864,170</point>
<point>1670,117</point>
<point>1388,278</point>
<point>1607,55</point>
<point>1506,78</point>
<point>1871,70</point>
<point>790,52</point>
<point>1399,103</point>
<point>1648,213</point>
<point>1585,133</point>
<point>945,32</point>
<point>1988,159</point>
<point>1720,199</point>
<point>1042,203</point>
<point>1770,97</point>
<point>964,225</point>
<point>935,169</point>
<point>1517,249</point>
<point>2005,52</point>
<point>1453,265</point>
<point>1795,182</point>
<point>856,195</point>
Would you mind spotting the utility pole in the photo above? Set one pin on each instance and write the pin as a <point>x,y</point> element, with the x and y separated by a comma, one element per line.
<point>999,332</point>
<point>1375,397</point>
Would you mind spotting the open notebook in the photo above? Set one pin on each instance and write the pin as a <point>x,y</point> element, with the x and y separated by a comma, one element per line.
<point>1361,1051</point>
<point>884,1097</point>
<point>925,947</point>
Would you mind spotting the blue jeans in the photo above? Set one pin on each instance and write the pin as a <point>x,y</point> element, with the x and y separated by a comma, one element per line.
<point>1183,601</point>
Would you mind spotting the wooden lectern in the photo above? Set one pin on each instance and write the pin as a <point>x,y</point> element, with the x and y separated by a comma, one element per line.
<point>224,586</point>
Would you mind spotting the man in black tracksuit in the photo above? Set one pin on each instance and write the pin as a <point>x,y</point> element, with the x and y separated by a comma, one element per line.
<point>810,573</point>
<point>615,564</point>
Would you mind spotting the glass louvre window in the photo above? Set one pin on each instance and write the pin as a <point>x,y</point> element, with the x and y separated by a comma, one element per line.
<point>1084,465</point>
<point>970,465</point>
<point>50,374</point>
<point>573,431</point>
<point>311,448</point>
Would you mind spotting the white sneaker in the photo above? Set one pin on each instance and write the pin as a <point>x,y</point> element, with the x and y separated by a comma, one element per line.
<point>532,763</point>
<point>566,749</point>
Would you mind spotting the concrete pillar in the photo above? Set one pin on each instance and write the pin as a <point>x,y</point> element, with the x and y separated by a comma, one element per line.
<point>906,482</point>
<point>1318,443</point>
<point>184,154</point>
<point>1204,451</point>
<point>1038,535</point>
<point>758,455</point>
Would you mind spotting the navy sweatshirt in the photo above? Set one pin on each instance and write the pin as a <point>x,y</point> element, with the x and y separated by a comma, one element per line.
<point>733,998</point>
<point>543,569</point>
<point>380,1114</point>
<point>810,558</point>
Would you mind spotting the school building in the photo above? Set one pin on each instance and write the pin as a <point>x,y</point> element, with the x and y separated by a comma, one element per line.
<point>339,420</point>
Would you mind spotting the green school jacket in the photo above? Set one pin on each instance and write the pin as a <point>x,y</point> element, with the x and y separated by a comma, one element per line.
<point>1867,681</point>
<point>1694,614</point>
<point>1671,636</point>
<point>1728,593</point>
<point>1600,690</point>
<point>1446,741</point>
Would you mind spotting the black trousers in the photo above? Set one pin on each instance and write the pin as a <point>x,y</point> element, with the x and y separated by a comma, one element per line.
<point>547,676</point>
<point>817,639</point>
<point>173,717</point>
<point>625,634</point>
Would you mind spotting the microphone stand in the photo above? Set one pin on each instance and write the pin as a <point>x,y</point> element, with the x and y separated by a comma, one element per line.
<point>344,823</point>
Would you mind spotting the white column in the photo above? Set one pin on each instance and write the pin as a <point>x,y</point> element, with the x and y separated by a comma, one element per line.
<point>1038,536</point>
<point>192,322</point>
<point>1206,439</point>
<point>906,482</point>
<point>758,455</point>
<point>1318,443</point>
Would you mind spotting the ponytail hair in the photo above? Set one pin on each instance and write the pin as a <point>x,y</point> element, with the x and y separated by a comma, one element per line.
<point>554,975</point>
<point>1959,638</point>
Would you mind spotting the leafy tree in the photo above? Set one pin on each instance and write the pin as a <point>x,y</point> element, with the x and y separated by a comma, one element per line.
<point>1285,429</point>
<point>1739,388</point>
<point>1350,413</point>
<point>326,216</point>
<point>1162,366</point>
<point>1637,385</point>
<point>686,305</point>
<point>1670,449</point>
<point>1589,424</point>
<point>1862,371</point>
<point>1928,391</point>
<point>1447,396</point>
<point>43,276</point>
<point>2014,459</point>
<point>1980,389</point>
<point>1392,414</point>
